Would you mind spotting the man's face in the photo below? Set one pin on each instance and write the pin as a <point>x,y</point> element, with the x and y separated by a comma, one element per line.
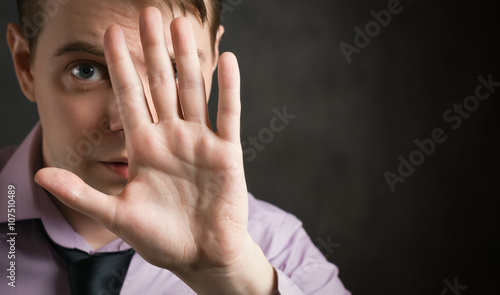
<point>82,130</point>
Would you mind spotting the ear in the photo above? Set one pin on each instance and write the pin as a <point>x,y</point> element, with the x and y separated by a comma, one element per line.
<point>21,57</point>
<point>220,32</point>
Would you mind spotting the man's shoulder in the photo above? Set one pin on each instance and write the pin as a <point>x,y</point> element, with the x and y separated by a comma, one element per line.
<point>266,219</point>
<point>5,155</point>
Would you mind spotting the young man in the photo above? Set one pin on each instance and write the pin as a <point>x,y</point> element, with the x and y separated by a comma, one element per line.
<point>124,157</point>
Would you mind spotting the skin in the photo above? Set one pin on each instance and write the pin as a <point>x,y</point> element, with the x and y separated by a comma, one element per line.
<point>178,195</point>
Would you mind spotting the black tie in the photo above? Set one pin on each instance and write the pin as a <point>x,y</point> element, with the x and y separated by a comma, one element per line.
<point>101,273</point>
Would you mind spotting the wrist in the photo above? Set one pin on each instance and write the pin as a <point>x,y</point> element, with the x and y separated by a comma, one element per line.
<point>250,274</point>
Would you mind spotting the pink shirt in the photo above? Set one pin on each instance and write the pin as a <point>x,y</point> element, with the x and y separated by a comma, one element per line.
<point>301,267</point>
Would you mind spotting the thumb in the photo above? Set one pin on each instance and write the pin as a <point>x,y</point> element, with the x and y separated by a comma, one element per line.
<point>75,193</point>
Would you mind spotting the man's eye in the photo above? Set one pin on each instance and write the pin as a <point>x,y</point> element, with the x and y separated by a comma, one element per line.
<point>175,69</point>
<point>88,72</point>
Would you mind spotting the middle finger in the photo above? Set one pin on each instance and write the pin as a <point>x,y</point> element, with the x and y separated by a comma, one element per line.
<point>159,67</point>
<point>191,83</point>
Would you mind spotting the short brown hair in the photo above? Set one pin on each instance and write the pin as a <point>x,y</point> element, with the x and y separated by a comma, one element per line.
<point>33,15</point>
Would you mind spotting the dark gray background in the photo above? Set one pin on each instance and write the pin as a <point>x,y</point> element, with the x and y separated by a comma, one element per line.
<point>353,121</point>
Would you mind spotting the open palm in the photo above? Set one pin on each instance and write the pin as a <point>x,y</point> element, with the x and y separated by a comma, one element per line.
<point>185,204</point>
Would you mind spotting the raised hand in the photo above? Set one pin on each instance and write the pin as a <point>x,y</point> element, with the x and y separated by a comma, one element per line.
<point>185,205</point>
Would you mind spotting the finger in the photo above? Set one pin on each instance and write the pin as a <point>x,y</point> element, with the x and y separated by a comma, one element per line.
<point>127,84</point>
<point>229,108</point>
<point>76,194</point>
<point>191,83</point>
<point>160,72</point>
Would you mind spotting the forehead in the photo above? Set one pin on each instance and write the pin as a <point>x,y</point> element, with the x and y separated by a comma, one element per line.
<point>86,21</point>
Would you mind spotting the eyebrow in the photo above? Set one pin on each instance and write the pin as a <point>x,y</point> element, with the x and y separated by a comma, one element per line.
<point>79,47</point>
<point>91,49</point>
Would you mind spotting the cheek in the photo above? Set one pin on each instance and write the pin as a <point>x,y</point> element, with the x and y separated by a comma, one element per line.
<point>207,77</point>
<point>65,117</point>
<point>202,35</point>
<point>69,111</point>
<point>60,105</point>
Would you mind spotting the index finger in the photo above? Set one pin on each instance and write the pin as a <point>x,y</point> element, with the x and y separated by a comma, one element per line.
<point>125,80</point>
